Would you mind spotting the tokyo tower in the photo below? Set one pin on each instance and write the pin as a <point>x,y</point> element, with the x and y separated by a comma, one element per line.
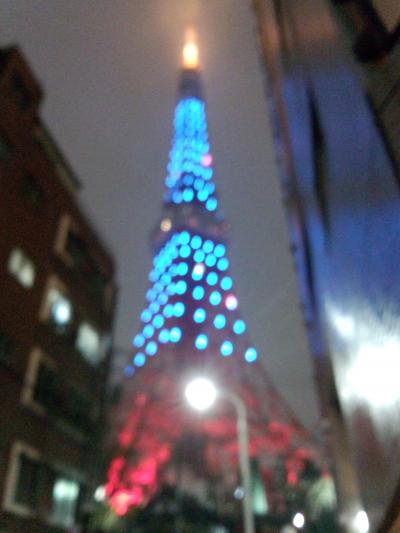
<point>191,325</point>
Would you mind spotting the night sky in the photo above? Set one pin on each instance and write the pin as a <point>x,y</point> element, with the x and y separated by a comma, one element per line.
<point>109,70</point>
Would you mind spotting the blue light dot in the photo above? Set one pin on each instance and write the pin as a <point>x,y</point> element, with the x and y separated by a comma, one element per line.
<point>139,359</point>
<point>210,187</point>
<point>153,276</point>
<point>146,315</point>
<point>250,355</point>
<point>166,278</point>
<point>212,278</point>
<point>129,371</point>
<point>177,197</point>
<point>158,321</point>
<point>219,321</point>
<point>162,298</point>
<point>168,311</point>
<point>199,315</point>
<point>184,237</point>
<point>215,298</point>
<point>226,283</point>
<point>198,184</point>
<point>201,341</point>
<point>175,334</point>
<point>239,327</point>
<point>171,289</point>
<point>158,287</point>
<point>208,246</point>
<point>148,331</point>
<point>179,309</point>
<point>173,270</point>
<point>138,341</point>
<point>202,195</point>
<point>163,336</point>
<point>208,173</point>
<point>151,348</point>
<point>223,264</point>
<point>199,256</point>
<point>154,307</point>
<point>196,242</point>
<point>188,195</point>
<point>219,250</point>
<point>198,292</point>
<point>180,287</point>
<point>184,251</point>
<point>226,348</point>
<point>151,294</point>
<point>210,260</point>
<point>211,204</point>
<point>182,269</point>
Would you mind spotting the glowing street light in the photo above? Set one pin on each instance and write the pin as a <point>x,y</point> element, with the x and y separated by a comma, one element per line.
<point>201,394</point>
<point>361,522</point>
<point>298,520</point>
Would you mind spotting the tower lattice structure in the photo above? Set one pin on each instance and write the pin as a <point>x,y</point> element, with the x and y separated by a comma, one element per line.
<point>192,325</point>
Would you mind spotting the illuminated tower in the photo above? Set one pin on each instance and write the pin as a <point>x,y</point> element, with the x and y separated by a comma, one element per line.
<point>191,324</point>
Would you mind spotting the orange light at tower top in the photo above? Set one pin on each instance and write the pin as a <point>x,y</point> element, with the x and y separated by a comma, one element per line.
<point>190,53</point>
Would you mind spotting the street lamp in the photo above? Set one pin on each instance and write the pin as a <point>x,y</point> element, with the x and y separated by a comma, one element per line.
<point>201,394</point>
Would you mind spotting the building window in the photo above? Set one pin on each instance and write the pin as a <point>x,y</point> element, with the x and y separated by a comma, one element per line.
<point>57,308</point>
<point>22,482</point>
<point>45,391</point>
<point>36,488</point>
<point>77,253</point>
<point>22,268</point>
<point>60,308</point>
<point>88,342</point>
<point>27,481</point>
<point>41,383</point>
<point>21,91</point>
<point>32,191</point>
<point>64,502</point>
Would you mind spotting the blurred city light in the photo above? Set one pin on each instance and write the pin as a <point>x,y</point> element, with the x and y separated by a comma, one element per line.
<point>201,393</point>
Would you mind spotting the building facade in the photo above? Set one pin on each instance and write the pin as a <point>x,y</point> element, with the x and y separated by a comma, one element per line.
<point>333,86</point>
<point>57,302</point>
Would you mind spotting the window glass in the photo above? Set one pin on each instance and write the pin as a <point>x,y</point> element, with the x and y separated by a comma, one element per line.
<point>27,481</point>
<point>60,308</point>
<point>76,248</point>
<point>88,343</point>
<point>65,500</point>
<point>45,392</point>
<point>21,268</point>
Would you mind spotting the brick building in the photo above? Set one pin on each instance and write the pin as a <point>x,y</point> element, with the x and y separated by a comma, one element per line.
<point>333,86</point>
<point>57,298</point>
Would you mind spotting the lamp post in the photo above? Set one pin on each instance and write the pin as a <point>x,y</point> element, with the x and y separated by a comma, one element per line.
<point>201,394</point>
